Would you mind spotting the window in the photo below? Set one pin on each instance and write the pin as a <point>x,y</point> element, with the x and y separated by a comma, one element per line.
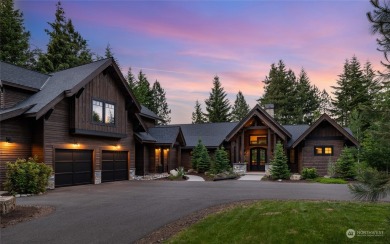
<point>100,115</point>
<point>323,150</point>
<point>258,140</point>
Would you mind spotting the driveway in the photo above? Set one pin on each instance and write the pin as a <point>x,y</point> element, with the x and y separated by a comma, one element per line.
<point>122,212</point>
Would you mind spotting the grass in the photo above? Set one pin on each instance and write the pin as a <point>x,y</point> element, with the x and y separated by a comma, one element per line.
<point>330,180</point>
<point>291,222</point>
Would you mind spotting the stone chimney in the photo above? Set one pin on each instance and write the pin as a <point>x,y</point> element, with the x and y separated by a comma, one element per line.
<point>269,108</point>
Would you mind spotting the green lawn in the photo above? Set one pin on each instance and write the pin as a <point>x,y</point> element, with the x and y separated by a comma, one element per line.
<point>291,222</point>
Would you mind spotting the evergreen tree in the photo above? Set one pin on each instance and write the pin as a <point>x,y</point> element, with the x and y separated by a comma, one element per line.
<point>14,39</point>
<point>353,90</point>
<point>279,169</point>
<point>280,90</point>
<point>196,155</point>
<point>200,158</point>
<point>142,91</point>
<point>159,103</point>
<point>197,115</point>
<point>217,105</point>
<point>221,161</point>
<point>240,108</point>
<point>131,80</point>
<point>307,99</point>
<point>108,51</point>
<point>66,48</point>
<point>345,164</point>
<point>325,103</point>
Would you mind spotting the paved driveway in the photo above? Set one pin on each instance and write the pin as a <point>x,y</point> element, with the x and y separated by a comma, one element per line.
<point>122,212</point>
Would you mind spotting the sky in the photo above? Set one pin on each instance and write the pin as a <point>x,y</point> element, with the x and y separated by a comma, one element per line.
<point>184,44</point>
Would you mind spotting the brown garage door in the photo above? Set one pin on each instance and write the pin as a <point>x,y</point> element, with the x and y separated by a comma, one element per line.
<point>114,166</point>
<point>73,167</point>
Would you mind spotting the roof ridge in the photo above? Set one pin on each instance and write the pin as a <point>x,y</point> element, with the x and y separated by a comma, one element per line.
<point>104,59</point>
<point>35,71</point>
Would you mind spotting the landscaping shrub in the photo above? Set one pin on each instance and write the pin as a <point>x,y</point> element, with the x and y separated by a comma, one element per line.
<point>27,176</point>
<point>345,164</point>
<point>200,158</point>
<point>330,181</point>
<point>180,172</point>
<point>221,162</point>
<point>279,168</point>
<point>309,173</point>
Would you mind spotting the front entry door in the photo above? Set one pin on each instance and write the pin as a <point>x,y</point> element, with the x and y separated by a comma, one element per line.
<point>258,159</point>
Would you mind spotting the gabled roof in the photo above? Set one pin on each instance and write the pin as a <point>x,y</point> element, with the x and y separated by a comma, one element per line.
<point>345,132</point>
<point>167,135</point>
<point>268,120</point>
<point>145,112</point>
<point>145,137</point>
<point>66,83</point>
<point>211,134</point>
<point>16,76</point>
<point>296,131</point>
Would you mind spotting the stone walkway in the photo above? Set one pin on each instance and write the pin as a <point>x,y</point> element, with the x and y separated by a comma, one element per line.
<point>194,178</point>
<point>252,176</point>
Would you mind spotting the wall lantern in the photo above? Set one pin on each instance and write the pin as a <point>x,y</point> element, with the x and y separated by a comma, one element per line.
<point>8,139</point>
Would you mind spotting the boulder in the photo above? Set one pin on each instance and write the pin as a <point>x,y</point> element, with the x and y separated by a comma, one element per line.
<point>7,204</point>
<point>295,177</point>
<point>173,172</point>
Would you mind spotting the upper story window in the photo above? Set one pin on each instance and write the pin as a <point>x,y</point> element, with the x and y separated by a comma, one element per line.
<point>103,112</point>
<point>323,150</point>
<point>258,140</point>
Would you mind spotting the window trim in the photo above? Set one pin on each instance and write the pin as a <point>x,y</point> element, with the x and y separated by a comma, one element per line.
<point>104,112</point>
<point>323,150</point>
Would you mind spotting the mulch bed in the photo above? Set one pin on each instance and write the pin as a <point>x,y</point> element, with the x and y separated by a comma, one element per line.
<point>171,229</point>
<point>24,213</point>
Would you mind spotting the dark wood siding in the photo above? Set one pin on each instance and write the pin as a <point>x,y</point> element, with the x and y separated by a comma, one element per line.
<point>19,130</point>
<point>186,158</point>
<point>12,96</point>
<point>172,159</point>
<point>103,88</point>
<point>37,139</point>
<point>324,135</point>
<point>57,135</point>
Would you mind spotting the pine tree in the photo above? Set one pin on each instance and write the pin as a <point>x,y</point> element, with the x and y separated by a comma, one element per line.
<point>142,91</point>
<point>200,158</point>
<point>279,169</point>
<point>66,48</point>
<point>14,39</point>
<point>131,80</point>
<point>345,164</point>
<point>159,103</point>
<point>307,99</point>
<point>196,155</point>
<point>197,115</point>
<point>240,108</point>
<point>325,103</point>
<point>108,51</point>
<point>217,105</point>
<point>280,90</point>
<point>221,161</point>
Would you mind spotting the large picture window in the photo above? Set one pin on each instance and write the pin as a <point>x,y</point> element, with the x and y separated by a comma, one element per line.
<point>103,112</point>
<point>323,150</point>
<point>258,140</point>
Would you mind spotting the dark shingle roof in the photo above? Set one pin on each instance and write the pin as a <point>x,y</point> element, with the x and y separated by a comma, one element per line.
<point>145,137</point>
<point>57,84</point>
<point>148,113</point>
<point>165,135</point>
<point>21,77</point>
<point>211,134</point>
<point>296,131</point>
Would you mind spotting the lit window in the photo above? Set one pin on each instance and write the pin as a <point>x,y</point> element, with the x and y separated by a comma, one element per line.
<point>258,140</point>
<point>100,115</point>
<point>97,111</point>
<point>323,150</point>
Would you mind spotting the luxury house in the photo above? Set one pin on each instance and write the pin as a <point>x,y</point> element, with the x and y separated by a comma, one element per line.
<point>87,125</point>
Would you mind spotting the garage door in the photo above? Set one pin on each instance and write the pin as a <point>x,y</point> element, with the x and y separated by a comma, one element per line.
<point>73,167</point>
<point>114,166</point>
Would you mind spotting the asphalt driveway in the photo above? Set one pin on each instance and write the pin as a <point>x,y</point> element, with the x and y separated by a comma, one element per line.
<point>122,212</point>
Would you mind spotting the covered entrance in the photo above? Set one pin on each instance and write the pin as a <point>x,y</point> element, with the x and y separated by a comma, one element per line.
<point>258,158</point>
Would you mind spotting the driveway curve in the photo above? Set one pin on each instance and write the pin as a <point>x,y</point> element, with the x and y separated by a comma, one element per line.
<point>123,212</point>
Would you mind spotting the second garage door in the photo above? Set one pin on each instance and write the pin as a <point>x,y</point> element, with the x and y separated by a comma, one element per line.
<point>114,166</point>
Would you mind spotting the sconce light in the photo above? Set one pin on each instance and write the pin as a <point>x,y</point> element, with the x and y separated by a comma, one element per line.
<point>8,139</point>
<point>117,146</point>
<point>76,144</point>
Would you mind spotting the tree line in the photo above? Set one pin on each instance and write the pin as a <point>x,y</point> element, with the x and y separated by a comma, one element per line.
<point>66,49</point>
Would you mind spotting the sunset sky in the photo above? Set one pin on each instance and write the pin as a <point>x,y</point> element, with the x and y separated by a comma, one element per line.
<point>184,44</point>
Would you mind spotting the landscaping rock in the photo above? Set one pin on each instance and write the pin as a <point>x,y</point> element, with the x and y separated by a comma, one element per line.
<point>173,172</point>
<point>7,204</point>
<point>295,177</point>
